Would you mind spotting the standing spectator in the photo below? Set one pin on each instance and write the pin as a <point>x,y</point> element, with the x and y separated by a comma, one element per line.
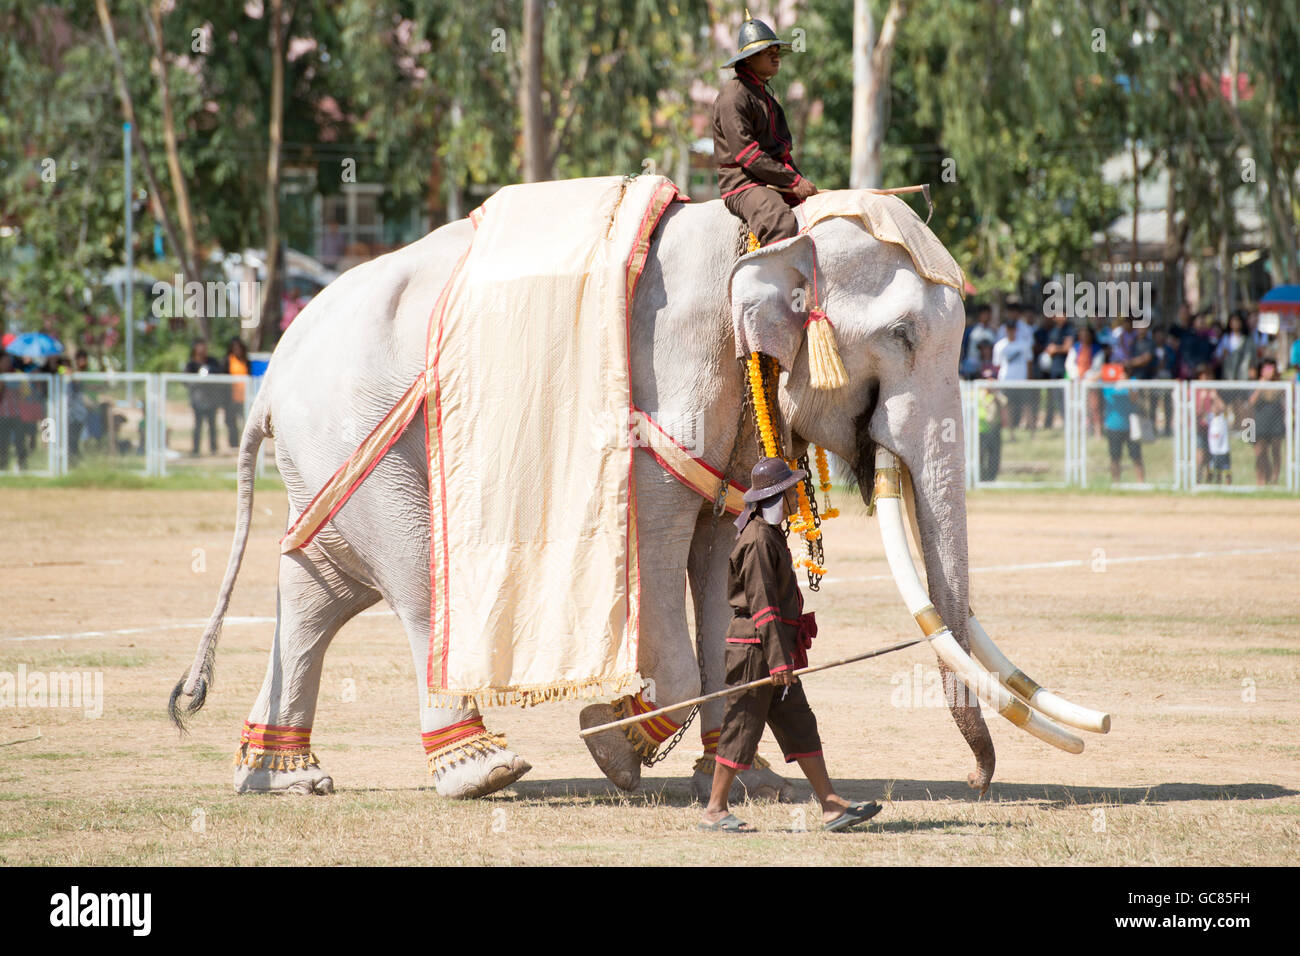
<point>989,414</point>
<point>204,398</point>
<point>1268,409</point>
<point>1217,441</point>
<point>981,331</point>
<point>1204,408</point>
<point>1235,352</point>
<point>1084,364</point>
<point>1060,340</point>
<point>1118,408</point>
<point>1141,367</point>
<point>1012,355</point>
<point>1166,369</point>
<point>1194,348</point>
<point>236,364</point>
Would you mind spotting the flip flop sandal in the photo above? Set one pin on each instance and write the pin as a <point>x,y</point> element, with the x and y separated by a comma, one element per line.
<point>855,814</point>
<point>728,824</point>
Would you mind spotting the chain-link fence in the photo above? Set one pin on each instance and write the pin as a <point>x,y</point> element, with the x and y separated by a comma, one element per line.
<point>1130,433</point>
<point>1023,435</point>
<point>1242,436</point>
<point>28,443</point>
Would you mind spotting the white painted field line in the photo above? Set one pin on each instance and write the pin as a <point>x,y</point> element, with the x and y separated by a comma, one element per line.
<point>1084,562</point>
<point>155,628</point>
<point>990,569</point>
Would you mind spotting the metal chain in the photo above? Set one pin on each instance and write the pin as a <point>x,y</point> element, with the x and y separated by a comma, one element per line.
<point>719,509</point>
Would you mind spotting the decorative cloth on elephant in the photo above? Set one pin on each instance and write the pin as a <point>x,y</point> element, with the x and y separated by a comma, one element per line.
<point>534,576</point>
<point>647,735</point>
<point>889,219</point>
<point>275,747</point>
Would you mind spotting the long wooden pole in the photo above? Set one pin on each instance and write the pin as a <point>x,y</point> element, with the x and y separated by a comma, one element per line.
<point>740,688</point>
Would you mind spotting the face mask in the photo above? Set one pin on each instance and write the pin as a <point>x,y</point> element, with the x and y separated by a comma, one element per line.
<point>774,510</point>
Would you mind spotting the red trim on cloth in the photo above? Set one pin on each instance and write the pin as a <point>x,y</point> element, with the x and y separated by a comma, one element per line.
<point>740,189</point>
<point>791,758</point>
<point>777,670</point>
<point>727,763</point>
<point>343,499</point>
<point>663,197</point>
<point>666,466</point>
<point>741,155</point>
<point>435,396</point>
<point>744,640</point>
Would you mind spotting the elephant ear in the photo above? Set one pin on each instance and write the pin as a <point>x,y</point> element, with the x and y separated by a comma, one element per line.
<point>769,292</point>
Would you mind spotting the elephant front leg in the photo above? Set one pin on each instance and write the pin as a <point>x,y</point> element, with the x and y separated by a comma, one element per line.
<point>665,656</point>
<point>708,577</point>
<point>314,600</point>
<point>465,759</point>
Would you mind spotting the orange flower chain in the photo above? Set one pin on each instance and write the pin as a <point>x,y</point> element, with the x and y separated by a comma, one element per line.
<point>805,523</point>
<point>824,484</point>
<point>762,411</point>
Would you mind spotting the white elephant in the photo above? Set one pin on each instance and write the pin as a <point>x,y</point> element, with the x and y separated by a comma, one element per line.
<point>355,349</point>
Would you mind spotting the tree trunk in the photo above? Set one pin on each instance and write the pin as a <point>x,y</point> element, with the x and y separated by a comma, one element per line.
<point>269,310</point>
<point>872,56</point>
<point>536,138</point>
<point>1171,276</point>
<point>188,267</point>
<point>184,211</point>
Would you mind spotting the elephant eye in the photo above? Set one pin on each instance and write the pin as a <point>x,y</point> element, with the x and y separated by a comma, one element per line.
<point>901,332</point>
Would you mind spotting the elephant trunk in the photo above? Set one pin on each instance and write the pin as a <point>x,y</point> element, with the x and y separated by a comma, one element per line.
<point>930,448</point>
<point>938,478</point>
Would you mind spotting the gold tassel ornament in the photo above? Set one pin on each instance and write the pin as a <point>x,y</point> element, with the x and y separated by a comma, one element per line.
<point>825,369</point>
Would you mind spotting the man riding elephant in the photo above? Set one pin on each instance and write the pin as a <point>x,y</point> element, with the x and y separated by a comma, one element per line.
<point>752,144</point>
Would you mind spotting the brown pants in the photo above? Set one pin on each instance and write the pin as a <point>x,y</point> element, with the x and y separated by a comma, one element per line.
<point>784,709</point>
<point>765,212</point>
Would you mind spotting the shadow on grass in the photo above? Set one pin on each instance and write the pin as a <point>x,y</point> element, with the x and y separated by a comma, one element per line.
<point>657,791</point>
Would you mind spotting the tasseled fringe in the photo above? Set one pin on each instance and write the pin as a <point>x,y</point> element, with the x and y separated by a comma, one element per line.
<point>707,764</point>
<point>531,696</point>
<point>256,760</point>
<point>751,242</point>
<point>459,752</point>
<point>825,369</point>
<point>645,746</point>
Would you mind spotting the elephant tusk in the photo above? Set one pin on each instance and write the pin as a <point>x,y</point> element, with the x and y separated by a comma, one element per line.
<point>889,512</point>
<point>1012,677</point>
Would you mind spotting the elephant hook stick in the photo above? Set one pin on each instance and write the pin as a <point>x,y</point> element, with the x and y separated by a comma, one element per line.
<point>740,688</point>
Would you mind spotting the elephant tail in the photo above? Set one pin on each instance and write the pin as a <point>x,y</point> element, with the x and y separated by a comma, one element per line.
<point>198,679</point>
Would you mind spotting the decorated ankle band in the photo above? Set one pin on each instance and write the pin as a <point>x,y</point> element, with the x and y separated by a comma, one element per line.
<point>706,763</point>
<point>272,747</point>
<point>647,735</point>
<point>459,742</point>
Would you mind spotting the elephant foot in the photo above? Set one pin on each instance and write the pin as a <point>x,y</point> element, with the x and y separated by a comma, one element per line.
<point>759,783</point>
<point>612,750</point>
<point>262,773</point>
<point>485,770</point>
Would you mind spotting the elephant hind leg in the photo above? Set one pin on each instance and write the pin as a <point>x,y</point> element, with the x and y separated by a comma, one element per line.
<point>314,599</point>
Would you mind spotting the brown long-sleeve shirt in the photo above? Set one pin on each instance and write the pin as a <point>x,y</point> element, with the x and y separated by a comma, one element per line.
<point>751,139</point>
<point>764,594</point>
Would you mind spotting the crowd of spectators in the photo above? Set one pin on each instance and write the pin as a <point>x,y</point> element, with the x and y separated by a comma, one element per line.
<point>1028,345</point>
<point>93,414</point>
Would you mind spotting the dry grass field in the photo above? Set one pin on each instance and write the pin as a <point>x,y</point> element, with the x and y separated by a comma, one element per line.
<point>1179,615</point>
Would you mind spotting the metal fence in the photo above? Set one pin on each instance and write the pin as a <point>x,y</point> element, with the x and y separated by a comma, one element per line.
<point>1132,434</point>
<point>1029,434</point>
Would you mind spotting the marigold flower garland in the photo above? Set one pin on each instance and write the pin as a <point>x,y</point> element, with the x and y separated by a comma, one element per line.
<point>806,522</point>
